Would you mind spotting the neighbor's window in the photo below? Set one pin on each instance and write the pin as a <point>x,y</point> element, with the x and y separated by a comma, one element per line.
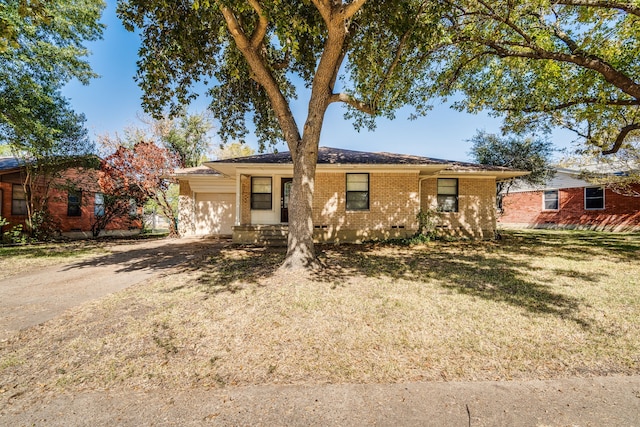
<point>357,191</point>
<point>551,200</point>
<point>73,202</point>
<point>448,194</point>
<point>133,207</point>
<point>594,198</point>
<point>99,205</point>
<point>261,193</point>
<point>18,200</point>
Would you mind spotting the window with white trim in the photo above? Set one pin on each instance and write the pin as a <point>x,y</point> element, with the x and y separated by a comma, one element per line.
<point>98,206</point>
<point>357,191</point>
<point>593,198</point>
<point>261,190</point>
<point>448,194</point>
<point>550,200</point>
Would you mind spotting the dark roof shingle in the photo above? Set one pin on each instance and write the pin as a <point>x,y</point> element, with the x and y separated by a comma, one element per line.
<point>336,156</point>
<point>8,163</point>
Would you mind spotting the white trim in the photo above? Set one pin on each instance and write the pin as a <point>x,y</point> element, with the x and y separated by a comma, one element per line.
<point>544,206</point>
<point>238,198</point>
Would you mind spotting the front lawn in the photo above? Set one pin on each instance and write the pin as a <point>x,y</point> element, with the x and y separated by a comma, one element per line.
<point>532,305</point>
<point>19,258</point>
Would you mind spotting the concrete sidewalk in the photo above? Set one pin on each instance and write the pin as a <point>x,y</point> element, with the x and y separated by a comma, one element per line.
<point>608,401</point>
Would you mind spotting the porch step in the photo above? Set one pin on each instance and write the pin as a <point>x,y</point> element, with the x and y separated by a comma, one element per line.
<point>266,235</point>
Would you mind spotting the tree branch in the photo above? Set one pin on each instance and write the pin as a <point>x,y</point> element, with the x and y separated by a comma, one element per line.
<point>398,53</point>
<point>235,28</point>
<point>628,7</point>
<point>262,74</point>
<point>508,22</point>
<point>261,29</point>
<point>621,137</point>
<point>582,101</point>
<point>357,104</point>
<point>352,8</point>
<point>324,7</point>
<point>592,62</point>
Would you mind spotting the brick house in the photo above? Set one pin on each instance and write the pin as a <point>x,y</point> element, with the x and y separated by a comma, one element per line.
<point>74,200</point>
<point>567,201</point>
<point>358,196</point>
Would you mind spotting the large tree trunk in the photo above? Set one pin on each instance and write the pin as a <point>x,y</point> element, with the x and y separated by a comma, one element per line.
<point>304,149</point>
<point>300,250</point>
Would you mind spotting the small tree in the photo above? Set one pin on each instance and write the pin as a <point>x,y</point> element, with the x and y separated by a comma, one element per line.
<point>527,154</point>
<point>117,198</point>
<point>143,169</point>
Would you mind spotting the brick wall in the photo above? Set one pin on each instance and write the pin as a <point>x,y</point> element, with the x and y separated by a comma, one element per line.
<point>393,206</point>
<point>83,179</point>
<point>525,209</point>
<point>394,203</point>
<point>476,216</point>
<point>245,200</point>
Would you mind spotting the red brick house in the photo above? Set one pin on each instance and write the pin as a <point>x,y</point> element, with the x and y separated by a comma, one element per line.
<point>567,201</point>
<point>74,201</point>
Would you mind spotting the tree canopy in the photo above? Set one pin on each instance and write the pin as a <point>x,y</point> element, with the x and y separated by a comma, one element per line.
<point>41,49</point>
<point>188,136</point>
<point>517,152</point>
<point>141,172</point>
<point>254,54</point>
<point>544,63</point>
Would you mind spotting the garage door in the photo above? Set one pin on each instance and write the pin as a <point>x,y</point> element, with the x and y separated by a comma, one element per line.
<point>215,213</point>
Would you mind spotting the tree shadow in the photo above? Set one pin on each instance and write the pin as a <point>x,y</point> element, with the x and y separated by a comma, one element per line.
<point>574,245</point>
<point>458,268</point>
<point>157,256</point>
<point>230,270</point>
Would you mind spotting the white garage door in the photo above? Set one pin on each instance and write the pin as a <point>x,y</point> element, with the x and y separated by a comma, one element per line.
<point>215,213</point>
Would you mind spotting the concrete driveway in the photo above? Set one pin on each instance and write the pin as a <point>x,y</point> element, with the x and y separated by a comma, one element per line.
<point>36,296</point>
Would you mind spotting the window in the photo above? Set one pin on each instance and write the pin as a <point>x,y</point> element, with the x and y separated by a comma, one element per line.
<point>594,198</point>
<point>73,202</point>
<point>99,205</point>
<point>448,194</point>
<point>261,193</point>
<point>357,191</point>
<point>18,200</point>
<point>550,200</point>
<point>133,207</point>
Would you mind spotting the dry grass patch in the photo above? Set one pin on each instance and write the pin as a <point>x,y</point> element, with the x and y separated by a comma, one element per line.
<point>534,305</point>
<point>17,259</point>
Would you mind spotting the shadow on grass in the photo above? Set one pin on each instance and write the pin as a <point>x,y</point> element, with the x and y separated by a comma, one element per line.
<point>472,271</point>
<point>574,245</point>
<point>500,271</point>
<point>47,251</point>
<point>225,271</point>
<point>153,255</point>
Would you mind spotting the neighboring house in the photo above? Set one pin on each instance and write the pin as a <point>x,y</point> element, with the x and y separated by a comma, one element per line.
<point>74,201</point>
<point>568,201</point>
<point>358,196</point>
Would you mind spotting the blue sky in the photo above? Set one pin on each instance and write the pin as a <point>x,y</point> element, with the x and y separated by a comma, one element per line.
<point>112,102</point>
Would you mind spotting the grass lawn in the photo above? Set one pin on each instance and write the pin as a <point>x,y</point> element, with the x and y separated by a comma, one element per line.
<point>15,259</point>
<point>534,305</point>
